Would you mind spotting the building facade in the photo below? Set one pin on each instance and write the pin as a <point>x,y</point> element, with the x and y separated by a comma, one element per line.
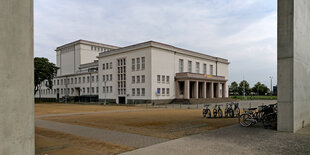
<point>141,73</point>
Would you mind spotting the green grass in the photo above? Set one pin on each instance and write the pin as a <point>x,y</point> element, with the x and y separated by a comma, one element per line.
<point>254,97</point>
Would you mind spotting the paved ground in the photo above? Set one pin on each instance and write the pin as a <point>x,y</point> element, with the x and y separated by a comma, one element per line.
<point>128,139</point>
<point>234,140</point>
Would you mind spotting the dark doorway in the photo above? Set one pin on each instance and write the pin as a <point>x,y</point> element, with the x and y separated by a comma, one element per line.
<point>122,100</point>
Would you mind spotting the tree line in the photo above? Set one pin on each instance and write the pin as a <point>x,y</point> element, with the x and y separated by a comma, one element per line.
<point>258,89</point>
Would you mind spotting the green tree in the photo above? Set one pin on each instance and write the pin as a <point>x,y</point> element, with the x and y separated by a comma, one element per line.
<point>234,87</point>
<point>260,89</point>
<point>43,71</point>
<point>246,87</point>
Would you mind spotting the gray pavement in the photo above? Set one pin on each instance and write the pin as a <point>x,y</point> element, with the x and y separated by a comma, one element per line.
<point>122,138</point>
<point>233,140</point>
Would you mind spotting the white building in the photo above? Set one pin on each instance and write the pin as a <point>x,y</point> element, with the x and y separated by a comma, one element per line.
<point>141,73</point>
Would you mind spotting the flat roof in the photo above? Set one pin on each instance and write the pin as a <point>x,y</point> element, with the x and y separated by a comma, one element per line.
<point>162,46</point>
<point>86,42</point>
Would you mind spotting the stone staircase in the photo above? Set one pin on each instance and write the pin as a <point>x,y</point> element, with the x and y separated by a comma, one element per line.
<point>202,100</point>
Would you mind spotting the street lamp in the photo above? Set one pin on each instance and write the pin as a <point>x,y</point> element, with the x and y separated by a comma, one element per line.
<point>270,87</point>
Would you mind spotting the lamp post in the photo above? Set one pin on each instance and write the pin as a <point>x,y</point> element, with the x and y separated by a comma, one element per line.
<point>270,87</point>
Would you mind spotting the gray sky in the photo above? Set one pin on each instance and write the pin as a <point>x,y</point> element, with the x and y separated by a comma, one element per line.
<point>242,31</point>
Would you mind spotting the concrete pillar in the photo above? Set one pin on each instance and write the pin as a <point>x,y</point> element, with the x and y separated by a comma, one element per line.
<point>211,90</point>
<point>16,77</point>
<point>293,64</point>
<point>186,89</point>
<point>224,90</point>
<point>204,90</point>
<point>196,89</point>
<point>177,89</point>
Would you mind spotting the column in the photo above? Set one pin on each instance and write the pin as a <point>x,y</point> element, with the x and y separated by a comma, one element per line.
<point>186,89</point>
<point>204,90</point>
<point>224,90</point>
<point>211,90</point>
<point>196,91</point>
<point>16,77</point>
<point>177,90</point>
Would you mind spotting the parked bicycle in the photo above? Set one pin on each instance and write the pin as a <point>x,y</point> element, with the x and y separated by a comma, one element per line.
<point>236,109</point>
<point>265,114</point>
<point>217,111</point>
<point>229,112</point>
<point>206,112</point>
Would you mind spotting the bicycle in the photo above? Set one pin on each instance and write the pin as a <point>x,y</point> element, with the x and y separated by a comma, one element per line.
<point>270,118</point>
<point>217,111</point>
<point>229,112</point>
<point>206,112</point>
<point>249,117</point>
<point>236,109</point>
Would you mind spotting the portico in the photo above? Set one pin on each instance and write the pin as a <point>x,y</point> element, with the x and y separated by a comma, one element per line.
<point>194,85</point>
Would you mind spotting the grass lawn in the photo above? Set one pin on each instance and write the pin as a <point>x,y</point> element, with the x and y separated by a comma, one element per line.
<point>254,97</point>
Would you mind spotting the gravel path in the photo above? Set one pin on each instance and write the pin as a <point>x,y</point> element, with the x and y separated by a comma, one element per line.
<point>122,138</point>
<point>233,140</point>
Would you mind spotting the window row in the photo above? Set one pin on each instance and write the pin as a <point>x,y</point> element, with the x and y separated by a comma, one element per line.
<point>106,66</point>
<point>163,79</point>
<point>136,64</point>
<point>77,80</point>
<point>136,91</point>
<point>138,79</point>
<point>96,48</point>
<point>107,77</point>
<point>197,67</point>
<point>163,91</point>
<point>107,89</point>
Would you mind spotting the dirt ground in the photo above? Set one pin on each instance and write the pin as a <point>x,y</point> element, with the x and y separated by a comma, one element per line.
<point>162,123</point>
<point>57,143</point>
<point>42,109</point>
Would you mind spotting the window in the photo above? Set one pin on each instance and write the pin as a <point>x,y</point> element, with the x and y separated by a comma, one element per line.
<point>87,79</point>
<point>103,66</point>
<point>158,78</point>
<point>204,68</point>
<point>103,78</point>
<point>107,89</point>
<point>163,78</point>
<point>181,65</point>
<point>133,79</point>
<point>163,91</point>
<point>138,79</point>
<point>168,79</point>
<point>62,81</point>
<point>142,91</point>
<point>197,67</point>
<point>133,91</point>
<point>57,82</point>
<point>84,90</point>
<point>92,47</point>
<point>103,89</point>
<point>79,79</point>
<point>111,89</point>
<point>75,80</point>
<point>83,79</point>
<point>211,69</point>
<point>143,63</point>
<point>71,80</point>
<point>110,65</point>
<point>168,91</point>
<point>107,65</point>
<point>62,91</point>
<point>133,64</point>
<point>72,90</point>
<point>107,77</point>
<point>96,89</point>
<point>143,79</point>
<point>189,66</point>
<point>87,90</point>
<point>110,77</point>
<point>138,91</point>
<point>96,78</point>
<point>138,64</point>
<point>158,91</point>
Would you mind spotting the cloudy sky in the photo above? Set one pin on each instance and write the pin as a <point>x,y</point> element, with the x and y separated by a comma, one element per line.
<point>242,31</point>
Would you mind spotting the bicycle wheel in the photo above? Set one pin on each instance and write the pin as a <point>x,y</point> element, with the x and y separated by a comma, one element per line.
<point>237,111</point>
<point>269,120</point>
<point>226,113</point>
<point>245,120</point>
<point>230,113</point>
<point>214,113</point>
<point>220,113</point>
<point>208,113</point>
